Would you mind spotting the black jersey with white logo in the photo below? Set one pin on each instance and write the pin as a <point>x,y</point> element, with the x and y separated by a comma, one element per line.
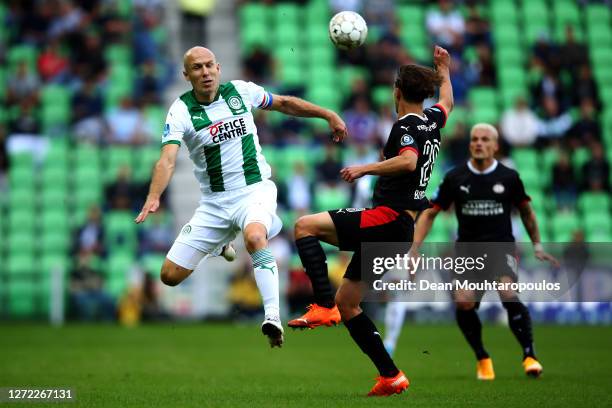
<point>421,134</point>
<point>483,201</point>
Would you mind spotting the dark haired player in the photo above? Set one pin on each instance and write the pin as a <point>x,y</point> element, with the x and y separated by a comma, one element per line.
<point>484,192</point>
<point>399,196</point>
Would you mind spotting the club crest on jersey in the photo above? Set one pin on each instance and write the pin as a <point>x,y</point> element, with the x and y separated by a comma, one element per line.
<point>407,140</point>
<point>234,102</point>
<point>499,188</point>
<point>186,229</point>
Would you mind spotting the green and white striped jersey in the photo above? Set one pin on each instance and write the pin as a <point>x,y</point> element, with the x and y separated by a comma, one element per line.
<point>221,136</point>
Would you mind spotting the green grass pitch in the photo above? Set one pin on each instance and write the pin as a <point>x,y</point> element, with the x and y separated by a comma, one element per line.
<point>222,365</point>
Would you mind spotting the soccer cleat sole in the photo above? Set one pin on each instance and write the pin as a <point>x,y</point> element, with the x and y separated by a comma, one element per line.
<point>274,334</point>
<point>534,373</point>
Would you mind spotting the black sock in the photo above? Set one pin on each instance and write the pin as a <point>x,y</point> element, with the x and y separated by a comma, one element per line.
<point>470,326</point>
<point>520,324</point>
<point>315,263</point>
<point>366,335</point>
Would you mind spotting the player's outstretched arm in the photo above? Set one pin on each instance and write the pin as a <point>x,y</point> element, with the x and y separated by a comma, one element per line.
<point>442,63</point>
<point>404,163</point>
<point>291,105</point>
<point>531,225</point>
<point>162,172</point>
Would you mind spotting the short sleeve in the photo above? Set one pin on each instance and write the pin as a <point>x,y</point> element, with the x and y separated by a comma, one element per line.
<point>438,114</point>
<point>403,140</point>
<point>519,195</point>
<point>177,123</point>
<point>443,196</point>
<point>258,96</point>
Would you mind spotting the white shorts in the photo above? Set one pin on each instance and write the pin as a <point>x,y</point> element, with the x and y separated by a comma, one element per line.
<point>219,218</point>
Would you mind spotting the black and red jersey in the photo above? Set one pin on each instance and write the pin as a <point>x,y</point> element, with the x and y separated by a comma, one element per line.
<point>483,201</point>
<point>421,134</point>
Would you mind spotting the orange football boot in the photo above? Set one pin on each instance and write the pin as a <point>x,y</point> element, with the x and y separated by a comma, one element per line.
<point>484,369</point>
<point>317,316</point>
<point>532,367</point>
<point>387,386</point>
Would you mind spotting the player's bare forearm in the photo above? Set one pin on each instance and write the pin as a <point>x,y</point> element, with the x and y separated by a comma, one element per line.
<point>530,222</point>
<point>404,163</point>
<point>162,173</point>
<point>442,62</point>
<point>423,226</point>
<point>291,105</point>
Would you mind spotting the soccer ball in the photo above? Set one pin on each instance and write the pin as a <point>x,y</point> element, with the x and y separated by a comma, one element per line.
<point>347,30</point>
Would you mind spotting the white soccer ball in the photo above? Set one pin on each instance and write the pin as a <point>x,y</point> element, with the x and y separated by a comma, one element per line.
<point>347,30</point>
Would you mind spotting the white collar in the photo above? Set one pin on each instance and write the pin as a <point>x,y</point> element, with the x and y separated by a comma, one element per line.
<point>488,170</point>
<point>424,118</point>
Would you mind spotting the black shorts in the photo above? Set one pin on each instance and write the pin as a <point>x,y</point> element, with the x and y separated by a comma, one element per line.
<point>380,224</point>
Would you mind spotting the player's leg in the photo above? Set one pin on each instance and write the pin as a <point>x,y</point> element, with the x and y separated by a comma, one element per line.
<point>256,216</point>
<point>466,306</point>
<point>519,320</point>
<point>309,231</point>
<point>394,321</point>
<point>180,262</point>
<point>366,335</point>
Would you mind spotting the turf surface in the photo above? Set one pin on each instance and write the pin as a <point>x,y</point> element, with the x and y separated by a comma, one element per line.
<point>218,365</point>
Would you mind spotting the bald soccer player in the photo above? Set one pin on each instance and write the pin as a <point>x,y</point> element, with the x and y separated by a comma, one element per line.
<point>215,122</point>
<point>484,192</point>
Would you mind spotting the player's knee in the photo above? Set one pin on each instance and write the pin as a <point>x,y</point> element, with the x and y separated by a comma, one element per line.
<point>465,306</point>
<point>304,227</point>
<point>255,240</point>
<point>170,274</point>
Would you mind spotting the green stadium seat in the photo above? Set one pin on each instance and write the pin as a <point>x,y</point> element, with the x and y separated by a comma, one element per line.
<point>486,114</point>
<point>512,76</point>
<point>599,36</point>
<point>597,223</point>
<point>21,243</point>
<point>118,54</point>
<point>22,298</point>
<point>21,219</point>
<point>120,230</point>
<point>22,199</point>
<point>329,198</point>
<point>19,53</point>
<point>286,12</point>
<point>510,57</point>
<point>55,241</point>
<point>52,95</point>
<point>56,176</point>
<point>21,178</point>
<point>382,95</point>
<point>579,157</point>
<point>20,265</point>
<point>253,13</point>
<point>288,36</point>
<point>597,15</point>
<point>482,97</point>
<point>324,96</point>
<point>564,225</point>
<point>525,157</point>
<point>255,35</point>
<point>594,203</point>
<point>152,263</point>
<point>87,195</point>
<point>55,220</point>
<point>503,11</point>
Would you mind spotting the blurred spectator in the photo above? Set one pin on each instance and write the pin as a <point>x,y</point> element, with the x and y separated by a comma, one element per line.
<point>87,55</point>
<point>573,54</point>
<point>158,235</point>
<point>328,171</point>
<point>564,185</point>
<point>361,122</point>
<point>87,109</point>
<point>596,171</point>
<point>483,70</point>
<point>125,122</point>
<point>346,5</point>
<point>359,90</point>
<point>26,120</point>
<point>477,28</point>
<point>299,189</point>
<point>519,124</point>
<point>586,130</point>
<point>461,79</point>
<point>258,65</point>
<point>446,25</point>
<point>546,53</point>
<point>23,84</point>
<point>148,87</point>
<point>123,193</point>
<point>53,66</point>
<point>553,124</point>
<point>150,307</point>
<point>585,87</point>
<point>383,61</point>
<point>549,86</point>
<point>457,145</point>
<point>88,299</point>
<point>89,238</point>
<point>380,14</point>
<point>386,120</point>
<point>69,19</point>
<point>361,154</point>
